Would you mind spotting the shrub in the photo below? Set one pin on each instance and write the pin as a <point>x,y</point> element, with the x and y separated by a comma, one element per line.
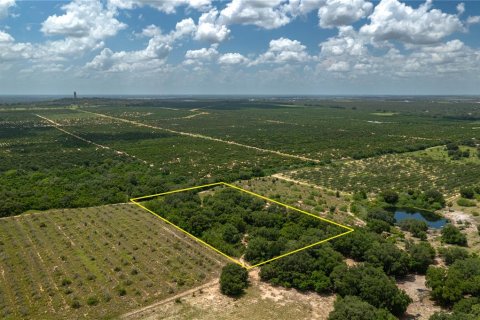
<point>121,291</point>
<point>467,193</point>
<point>465,202</point>
<point>75,304</point>
<point>390,258</point>
<point>92,301</point>
<point>434,196</point>
<point>306,270</point>
<point>66,282</point>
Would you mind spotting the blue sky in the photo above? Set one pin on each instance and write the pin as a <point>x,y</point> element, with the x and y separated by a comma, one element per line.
<point>239,47</point>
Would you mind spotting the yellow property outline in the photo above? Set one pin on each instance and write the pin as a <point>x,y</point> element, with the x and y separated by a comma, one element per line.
<point>135,201</point>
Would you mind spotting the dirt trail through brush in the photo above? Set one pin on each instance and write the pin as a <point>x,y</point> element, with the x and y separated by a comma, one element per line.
<point>140,313</point>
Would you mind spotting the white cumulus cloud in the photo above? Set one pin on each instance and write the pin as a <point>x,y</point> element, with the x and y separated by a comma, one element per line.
<point>209,28</point>
<point>167,6</point>
<point>5,37</point>
<point>284,50</point>
<point>268,14</point>
<point>151,58</point>
<point>85,25</point>
<point>394,20</point>
<point>343,12</point>
<point>4,6</point>
<point>83,18</point>
<point>473,20</point>
<point>232,58</point>
<point>201,56</point>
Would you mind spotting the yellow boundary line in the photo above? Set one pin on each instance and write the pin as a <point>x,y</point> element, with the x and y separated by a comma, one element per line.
<point>135,201</point>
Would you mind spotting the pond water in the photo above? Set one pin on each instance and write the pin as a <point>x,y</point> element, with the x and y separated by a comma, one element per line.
<point>433,220</point>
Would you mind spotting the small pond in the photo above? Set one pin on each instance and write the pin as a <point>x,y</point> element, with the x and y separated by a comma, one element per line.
<point>434,221</point>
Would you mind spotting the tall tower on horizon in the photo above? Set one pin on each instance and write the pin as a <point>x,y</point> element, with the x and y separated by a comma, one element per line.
<point>74,94</point>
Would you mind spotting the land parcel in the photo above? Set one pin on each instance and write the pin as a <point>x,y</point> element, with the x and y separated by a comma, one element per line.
<point>247,228</point>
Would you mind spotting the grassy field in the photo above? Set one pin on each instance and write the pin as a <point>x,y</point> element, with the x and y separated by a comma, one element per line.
<point>439,153</point>
<point>94,263</point>
<point>315,200</point>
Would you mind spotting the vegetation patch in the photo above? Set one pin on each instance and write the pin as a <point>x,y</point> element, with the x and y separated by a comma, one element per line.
<point>240,224</point>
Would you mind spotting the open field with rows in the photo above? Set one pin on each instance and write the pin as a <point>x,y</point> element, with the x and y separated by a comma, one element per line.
<point>424,170</point>
<point>95,263</point>
<point>319,132</point>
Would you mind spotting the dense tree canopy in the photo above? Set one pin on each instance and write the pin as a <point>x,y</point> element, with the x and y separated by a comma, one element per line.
<point>389,257</point>
<point>353,308</point>
<point>371,285</point>
<point>306,270</point>
<point>451,285</point>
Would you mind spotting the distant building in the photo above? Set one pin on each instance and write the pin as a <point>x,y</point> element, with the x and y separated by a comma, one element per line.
<point>74,94</point>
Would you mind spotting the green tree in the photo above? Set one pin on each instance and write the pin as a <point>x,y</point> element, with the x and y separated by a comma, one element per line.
<point>353,308</point>
<point>465,309</point>
<point>355,244</point>
<point>233,280</point>
<point>452,235</point>
<point>451,285</point>
<point>306,270</point>
<point>389,257</point>
<point>371,285</point>
<point>381,214</point>
<point>390,196</point>
<point>434,196</point>
<point>421,256</point>
<point>452,254</point>
<point>451,316</point>
<point>418,228</point>
<point>378,226</point>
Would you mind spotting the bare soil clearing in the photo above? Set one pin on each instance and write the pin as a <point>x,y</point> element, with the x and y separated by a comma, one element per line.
<point>422,306</point>
<point>261,301</point>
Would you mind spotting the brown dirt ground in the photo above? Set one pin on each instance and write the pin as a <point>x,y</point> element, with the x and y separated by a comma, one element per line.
<point>261,301</point>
